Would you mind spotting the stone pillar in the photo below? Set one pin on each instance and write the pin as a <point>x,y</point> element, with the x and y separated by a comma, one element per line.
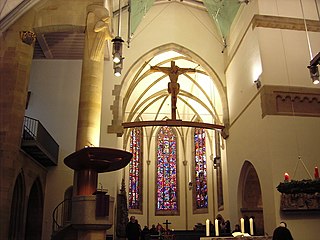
<point>97,33</point>
<point>89,114</point>
<point>16,52</point>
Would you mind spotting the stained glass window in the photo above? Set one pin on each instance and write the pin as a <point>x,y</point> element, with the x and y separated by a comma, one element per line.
<point>166,170</point>
<point>135,169</point>
<point>200,161</point>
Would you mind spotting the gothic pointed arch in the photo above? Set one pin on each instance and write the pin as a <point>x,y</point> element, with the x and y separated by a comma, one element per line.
<point>167,199</point>
<point>17,208</point>
<point>128,100</point>
<point>34,212</point>
<point>249,193</point>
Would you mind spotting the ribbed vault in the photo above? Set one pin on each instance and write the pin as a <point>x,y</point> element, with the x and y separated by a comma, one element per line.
<point>143,95</point>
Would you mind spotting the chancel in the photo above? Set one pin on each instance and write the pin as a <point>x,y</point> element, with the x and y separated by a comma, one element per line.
<point>211,108</point>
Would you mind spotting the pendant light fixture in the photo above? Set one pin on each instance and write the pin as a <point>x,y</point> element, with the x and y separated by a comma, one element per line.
<point>314,62</point>
<point>117,43</point>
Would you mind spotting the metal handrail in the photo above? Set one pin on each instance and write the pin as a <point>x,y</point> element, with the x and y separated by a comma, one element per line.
<point>35,131</point>
<point>61,215</point>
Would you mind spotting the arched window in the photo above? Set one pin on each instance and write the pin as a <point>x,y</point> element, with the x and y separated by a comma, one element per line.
<point>135,170</point>
<point>17,207</point>
<point>166,172</point>
<point>200,163</point>
<point>34,212</point>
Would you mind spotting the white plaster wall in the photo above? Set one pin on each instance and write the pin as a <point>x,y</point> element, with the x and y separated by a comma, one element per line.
<point>272,144</point>
<point>289,8</point>
<point>55,88</point>
<point>285,56</point>
<point>243,70</point>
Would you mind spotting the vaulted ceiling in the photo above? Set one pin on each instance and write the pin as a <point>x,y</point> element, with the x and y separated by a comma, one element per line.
<point>69,44</point>
<point>221,11</point>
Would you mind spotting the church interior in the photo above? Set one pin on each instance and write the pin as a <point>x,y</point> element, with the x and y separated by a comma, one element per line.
<point>177,112</point>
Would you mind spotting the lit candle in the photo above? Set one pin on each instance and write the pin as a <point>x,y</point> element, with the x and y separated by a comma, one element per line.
<point>207,227</point>
<point>251,226</point>
<point>242,225</point>
<point>216,225</point>
<point>316,173</point>
<point>286,177</point>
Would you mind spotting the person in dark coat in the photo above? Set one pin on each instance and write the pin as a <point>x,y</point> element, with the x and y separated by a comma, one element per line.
<point>145,234</point>
<point>153,230</point>
<point>133,229</point>
<point>282,232</point>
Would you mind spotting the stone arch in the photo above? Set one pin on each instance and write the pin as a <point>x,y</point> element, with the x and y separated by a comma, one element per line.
<point>119,90</point>
<point>17,208</point>
<point>250,198</point>
<point>34,212</point>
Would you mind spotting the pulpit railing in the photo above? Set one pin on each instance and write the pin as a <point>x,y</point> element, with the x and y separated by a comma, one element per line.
<point>61,215</point>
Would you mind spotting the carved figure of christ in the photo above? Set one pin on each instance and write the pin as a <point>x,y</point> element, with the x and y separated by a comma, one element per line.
<point>173,86</point>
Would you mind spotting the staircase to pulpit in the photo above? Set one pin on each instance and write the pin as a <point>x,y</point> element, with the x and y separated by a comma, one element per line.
<point>89,213</point>
<point>64,228</point>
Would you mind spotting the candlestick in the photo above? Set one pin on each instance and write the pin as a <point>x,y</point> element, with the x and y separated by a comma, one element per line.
<point>207,227</point>
<point>242,225</point>
<point>316,173</point>
<point>216,226</point>
<point>251,226</point>
<point>286,177</point>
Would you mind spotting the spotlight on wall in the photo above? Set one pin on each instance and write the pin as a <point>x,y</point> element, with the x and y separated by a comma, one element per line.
<point>258,83</point>
<point>216,162</point>
<point>314,74</point>
<point>313,69</point>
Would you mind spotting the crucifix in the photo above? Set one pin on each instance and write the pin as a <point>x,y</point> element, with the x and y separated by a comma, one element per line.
<point>167,223</point>
<point>173,86</point>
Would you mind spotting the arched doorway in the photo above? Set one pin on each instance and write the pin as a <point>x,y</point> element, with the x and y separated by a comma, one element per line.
<point>251,199</point>
<point>17,206</point>
<point>34,212</point>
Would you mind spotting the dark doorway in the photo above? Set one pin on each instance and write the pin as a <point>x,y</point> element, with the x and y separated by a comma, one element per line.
<point>252,206</point>
<point>16,217</point>
<point>34,213</point>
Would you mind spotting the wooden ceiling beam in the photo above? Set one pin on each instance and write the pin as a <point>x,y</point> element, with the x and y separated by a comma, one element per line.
<point>173,123</point>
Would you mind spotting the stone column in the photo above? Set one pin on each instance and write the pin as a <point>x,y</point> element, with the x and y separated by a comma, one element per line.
<point>89,114</point>
<point>16,52</point>
<point>97,33</point>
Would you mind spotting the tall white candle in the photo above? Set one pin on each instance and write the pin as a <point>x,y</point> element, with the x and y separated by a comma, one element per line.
<point>216,226</point>
<point>207,227</point>
<point>251,226</point>
<point>242,225</point>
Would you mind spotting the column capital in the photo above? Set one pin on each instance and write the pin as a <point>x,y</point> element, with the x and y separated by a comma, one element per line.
<point>28,37</point>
